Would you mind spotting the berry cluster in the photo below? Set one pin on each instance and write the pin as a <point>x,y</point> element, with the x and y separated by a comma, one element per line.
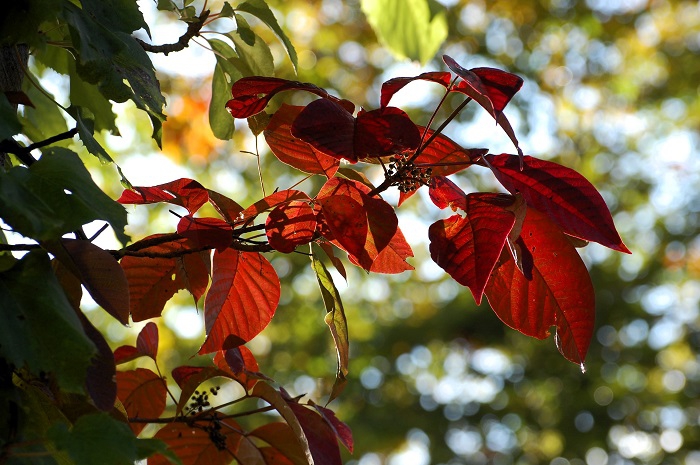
<point>409,177</point>
<point>215,434</point>
<point>200,400</point>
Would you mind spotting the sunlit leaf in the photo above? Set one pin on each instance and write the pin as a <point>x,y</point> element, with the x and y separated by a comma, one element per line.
<point>322,441</point>
<point>282,438</point>
<point>184,192</point>
<point>206,232</point>
<point>271,201</point>
<point>290,225</point>
<point>444,193</point>
<point>260,10</point>
<point>563,194</point>
<point>293,151</point>
<point>560,292</point>
<point>243,297</point>
<point>225,74</point>
<point>143,394</point>
<point>392,86</point>
<point>194,446</point>
<point>468,248</point>
<point>147,340</point>
<point>341,430</point>
<point>188,378</point>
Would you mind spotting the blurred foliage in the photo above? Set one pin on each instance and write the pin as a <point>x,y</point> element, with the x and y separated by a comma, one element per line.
<point>612,91</point>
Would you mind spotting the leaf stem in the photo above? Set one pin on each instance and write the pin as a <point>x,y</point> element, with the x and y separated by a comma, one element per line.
<point>182,43</point>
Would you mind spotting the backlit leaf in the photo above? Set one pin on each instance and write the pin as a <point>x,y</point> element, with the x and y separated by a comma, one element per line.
<point>341,430</point>
<point>226,207</point>
<point>206,232</point>
<point>444,193</point>
<point>193,446</point>
<point>290,225</point>
<point>563,194</point>
<point>153,281</point>
<point>468,248</point>
<point>260,10</point>
<point>147,340</point>
<point>143,394</point>
<point>281,437</point>
<point>252,94</point>
<point>272,201</point>
<point>243,297</point>
<point>183,192</point>
<point>293,151</point>
<point>188,378</point>
<point>254,56</point>
<point>225,74</point>
<point>241,364</point>
<point>337,323</point>
<point>559,294</point>
<point>413,29</point>
<point>392,86</point>
<point>322,441</point>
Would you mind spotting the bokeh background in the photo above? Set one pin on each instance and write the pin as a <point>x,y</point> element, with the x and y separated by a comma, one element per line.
<point>611,90</point>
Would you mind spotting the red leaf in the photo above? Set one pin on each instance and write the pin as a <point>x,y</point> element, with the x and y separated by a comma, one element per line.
<point>377,133</point>
<point>492,92</point>
<point>372,238</point>
<point>559,294</point>
<point>147,340</point>
<point>392,86</point>
<point>142,393</point>
<point>290,225</point>
<point>226,207</point>
<point>124,354</point>
<point>293,151</point>
<point>322,442</point>
<point>252,94</point>
<point>563,194</point>
<point>194,269</point>
<point>184,192</point>
<point>341,430</point>
<point>243,297</point>
<point>270,202</point>
<point>274,457</point>
<point>484,85</point>
<point>206,232</point>
<point>102,276</point>
<point>282,438</point>
<point>444,193</point>
<point>241,363</point>
<point>153,281</point>
<point>194,446</point>
<point>468,248</point>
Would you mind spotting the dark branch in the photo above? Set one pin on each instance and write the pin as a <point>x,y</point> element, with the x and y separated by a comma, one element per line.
<point>24,153</point>
<point>183,42</point>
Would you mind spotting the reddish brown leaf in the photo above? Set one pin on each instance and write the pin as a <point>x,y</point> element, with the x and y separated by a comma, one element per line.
<point>100,381</point>
<point>341,430</point>
<point>384,248</point>
<point>252,94</point>
<point>153,281</point>
<point>206,232</point>
<point>322,441</point>
<point>271,201</point>
<point>194,446</point>
<point>468,248</point>
<point>147,340</point>
<point>559,294</point>
<point>226,207</point>
<point>142,393</point>
<point>101,275</point>
<point>444,193</point>
<point>241,364</point>
<point>331,129</point>
<point>194,270</point>
<point>563,194</point>
<point>290,225</point>
<point>293,151</point>
<point>274,457</point>
<point>247,453</point>
<point>392,86</point>
<point>184,192</point>
<point>281,437</point>
<point>124,354</point>
<point>495,86</point>
<point>243,297</point>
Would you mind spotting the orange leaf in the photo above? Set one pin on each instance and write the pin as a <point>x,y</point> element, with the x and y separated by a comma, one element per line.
<point>142,392</point>
<point>559,294</point>
<point>194,446</point>
<point>271,201</point>
<point>243,297</point>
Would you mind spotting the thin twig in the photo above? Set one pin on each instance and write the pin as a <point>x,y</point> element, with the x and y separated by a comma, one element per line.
<point>182,43</point>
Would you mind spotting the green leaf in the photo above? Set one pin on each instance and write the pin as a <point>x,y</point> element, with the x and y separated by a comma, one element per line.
<point>226,11</point>
<point>260,10</point>
<point>40,328</point>
<point>56,195</point>
<point>116,15</point>
<point>166,5</point>
<point>19,21</point>
<point>99,438</point>
<point>9,124</point>
<point>45,119</point>
<point>412,29</point>
<point>220,120</point>
<point>254,56</point>
<point>335,319</point>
